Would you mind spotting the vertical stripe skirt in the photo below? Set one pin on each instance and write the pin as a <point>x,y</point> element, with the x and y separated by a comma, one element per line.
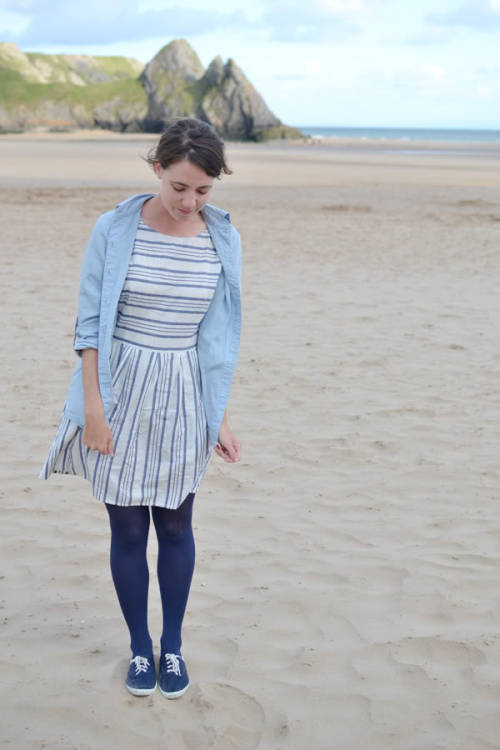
<point>159,428</point>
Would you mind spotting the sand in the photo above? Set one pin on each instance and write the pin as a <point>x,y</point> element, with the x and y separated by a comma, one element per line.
<point>345,594</point>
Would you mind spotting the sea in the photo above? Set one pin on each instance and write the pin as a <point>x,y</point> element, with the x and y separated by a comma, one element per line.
<point>446,135</point>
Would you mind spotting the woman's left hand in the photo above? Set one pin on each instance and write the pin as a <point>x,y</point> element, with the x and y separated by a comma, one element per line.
<point>228,446</point>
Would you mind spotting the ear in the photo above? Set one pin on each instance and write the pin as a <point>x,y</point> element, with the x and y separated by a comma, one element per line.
<point>158,169</point>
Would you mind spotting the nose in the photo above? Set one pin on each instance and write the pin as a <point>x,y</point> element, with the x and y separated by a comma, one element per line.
<point>188,201</point>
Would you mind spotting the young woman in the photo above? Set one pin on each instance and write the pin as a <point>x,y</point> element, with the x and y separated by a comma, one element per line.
<point>157,333</point>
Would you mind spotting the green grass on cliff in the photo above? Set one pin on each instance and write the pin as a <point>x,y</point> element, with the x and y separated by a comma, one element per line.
<point>115,67</point>
<point>129,90</point>
<point>119,67</point>
<point>15,91</point>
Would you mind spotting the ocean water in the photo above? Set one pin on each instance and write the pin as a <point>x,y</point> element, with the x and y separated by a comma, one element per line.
<point>404,134</point>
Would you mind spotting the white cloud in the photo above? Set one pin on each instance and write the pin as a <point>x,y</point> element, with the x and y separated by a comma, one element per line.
<point>316,67</point>
<point>49,22</point>
<point>57,22</point>
<point>482,15</point>
<point>427,80</point>
<point>316,21</point>
<point>432,73</point>
<point>483,90</point>
<point>340,7</point>
<point>12,22</point>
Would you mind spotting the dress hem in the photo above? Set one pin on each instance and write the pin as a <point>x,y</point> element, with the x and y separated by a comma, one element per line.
<point>194,490</point>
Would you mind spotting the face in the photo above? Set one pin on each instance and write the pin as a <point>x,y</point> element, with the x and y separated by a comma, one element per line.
<point>184,189</point>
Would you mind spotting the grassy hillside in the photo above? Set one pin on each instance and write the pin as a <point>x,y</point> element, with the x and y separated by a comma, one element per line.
<point>88,69</point>
<point>14,90</point>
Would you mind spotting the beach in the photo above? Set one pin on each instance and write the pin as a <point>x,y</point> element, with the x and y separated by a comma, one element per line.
<point>345,594</point>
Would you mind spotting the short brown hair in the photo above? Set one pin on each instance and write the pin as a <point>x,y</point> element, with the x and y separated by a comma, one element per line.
<point>191,139</point>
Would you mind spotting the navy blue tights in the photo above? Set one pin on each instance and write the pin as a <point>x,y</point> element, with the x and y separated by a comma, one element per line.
<point>130,573</point>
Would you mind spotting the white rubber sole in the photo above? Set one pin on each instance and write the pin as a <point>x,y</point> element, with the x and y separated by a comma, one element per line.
<point>141,691</point>
<point>177,694</point>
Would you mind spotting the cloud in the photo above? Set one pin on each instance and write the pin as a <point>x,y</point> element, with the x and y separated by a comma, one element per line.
<point>12,22</point>
<point>96,22</point>
<point>484,90</point>
<point>316,20</point>
<point>483,15</point>
<point>430,34</point>
<point>427,80</point>
<point>342,6</point>
<point>432,73</point>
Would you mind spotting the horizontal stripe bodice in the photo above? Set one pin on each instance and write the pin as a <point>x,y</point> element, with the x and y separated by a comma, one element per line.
<point>169,285</point>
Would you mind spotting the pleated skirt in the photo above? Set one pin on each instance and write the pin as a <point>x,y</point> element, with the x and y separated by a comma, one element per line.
<point>159,428</point>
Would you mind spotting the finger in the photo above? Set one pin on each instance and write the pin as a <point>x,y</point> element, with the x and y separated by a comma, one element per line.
<point>222,452</point>
<point>230,452</point>
<point>236,449</point>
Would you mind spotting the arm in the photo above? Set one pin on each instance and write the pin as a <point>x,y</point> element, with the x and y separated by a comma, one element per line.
<point>228,446</point>
<point>96,433</point>
<point>89,296</point>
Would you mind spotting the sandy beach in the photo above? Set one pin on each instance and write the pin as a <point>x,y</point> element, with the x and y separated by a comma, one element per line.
<point>346,590</point>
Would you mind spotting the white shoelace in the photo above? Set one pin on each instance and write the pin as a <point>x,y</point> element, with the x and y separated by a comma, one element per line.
<point>173,664</point>
<point>141,664</point>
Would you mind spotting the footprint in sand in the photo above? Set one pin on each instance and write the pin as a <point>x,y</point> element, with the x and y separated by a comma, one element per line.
<point>227,718</point>
<point>436,652</point>
<point>217,655</point>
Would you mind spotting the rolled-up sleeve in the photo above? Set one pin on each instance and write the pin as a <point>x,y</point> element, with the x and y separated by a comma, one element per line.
<point>86,333</point>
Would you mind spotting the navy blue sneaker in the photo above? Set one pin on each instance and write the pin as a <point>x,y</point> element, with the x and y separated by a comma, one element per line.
<point>141,676</point>
<point>173,678</point>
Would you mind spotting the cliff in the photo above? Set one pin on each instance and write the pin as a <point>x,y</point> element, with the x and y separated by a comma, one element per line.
<point>62,92</point>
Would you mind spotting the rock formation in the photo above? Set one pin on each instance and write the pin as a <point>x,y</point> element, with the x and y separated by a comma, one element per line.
<point>168,79</point>
<point>231,104</point>
<point>60,92</point>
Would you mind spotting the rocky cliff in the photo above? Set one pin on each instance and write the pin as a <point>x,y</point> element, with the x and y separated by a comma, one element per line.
<point>231,103</point>
<point>169,83</point>
<point>61,92</point>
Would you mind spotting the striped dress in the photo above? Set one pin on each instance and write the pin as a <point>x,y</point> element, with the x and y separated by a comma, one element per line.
<point>159,426</point>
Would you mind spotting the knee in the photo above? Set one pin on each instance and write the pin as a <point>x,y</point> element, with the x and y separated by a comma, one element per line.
<point>129,533</point>
<point>130,539</point>
<point>171,527</point>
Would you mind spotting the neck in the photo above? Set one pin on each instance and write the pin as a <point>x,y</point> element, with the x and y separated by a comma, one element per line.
<point>158,218</point>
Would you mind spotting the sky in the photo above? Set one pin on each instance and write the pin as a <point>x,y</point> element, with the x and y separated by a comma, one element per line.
<point>367,63</point>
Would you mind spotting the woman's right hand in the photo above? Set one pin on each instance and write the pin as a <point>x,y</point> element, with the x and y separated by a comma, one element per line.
<point>97,436</point>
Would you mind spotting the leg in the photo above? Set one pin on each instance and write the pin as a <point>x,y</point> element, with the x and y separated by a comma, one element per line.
<point>129,569</point>
<point>176,556</point>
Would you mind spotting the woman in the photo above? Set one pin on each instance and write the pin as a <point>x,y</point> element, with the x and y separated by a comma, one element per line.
<point>157,332</point>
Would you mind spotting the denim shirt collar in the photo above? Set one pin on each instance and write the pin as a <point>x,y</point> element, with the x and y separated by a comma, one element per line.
<point>218,223</point>
<point>213,215</point>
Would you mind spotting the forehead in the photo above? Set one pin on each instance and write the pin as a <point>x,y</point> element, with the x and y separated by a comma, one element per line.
<point>188,173</point>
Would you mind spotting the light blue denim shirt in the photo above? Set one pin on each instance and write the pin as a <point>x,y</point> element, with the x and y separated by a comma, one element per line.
<point>104,268</point>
